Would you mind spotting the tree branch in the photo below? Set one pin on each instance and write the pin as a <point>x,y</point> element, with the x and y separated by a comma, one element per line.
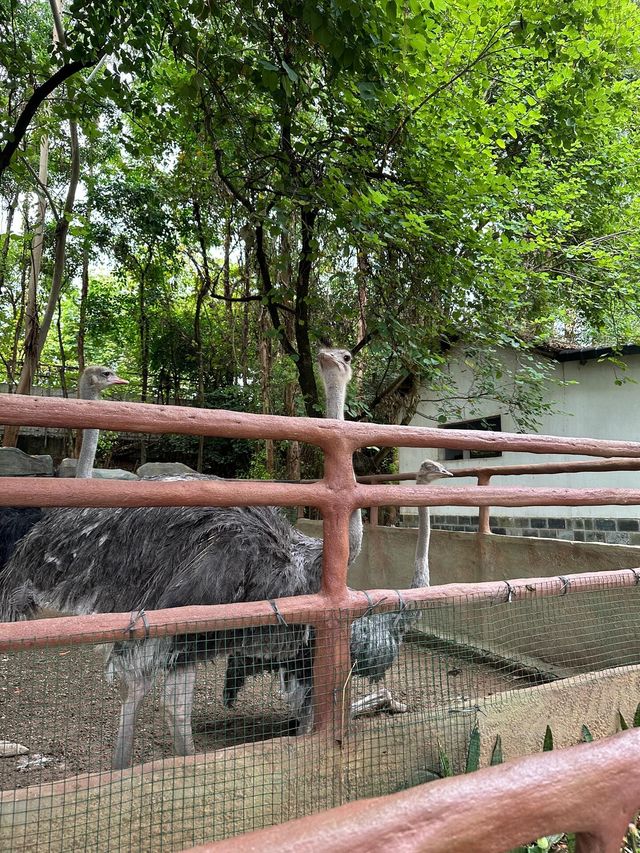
<point>40,93</point>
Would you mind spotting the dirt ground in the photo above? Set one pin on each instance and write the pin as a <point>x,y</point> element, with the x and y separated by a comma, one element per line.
<point>57,703</point>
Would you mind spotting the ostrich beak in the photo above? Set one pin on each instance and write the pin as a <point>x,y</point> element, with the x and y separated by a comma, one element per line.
<point>327,357</point>
<point>117,381</point>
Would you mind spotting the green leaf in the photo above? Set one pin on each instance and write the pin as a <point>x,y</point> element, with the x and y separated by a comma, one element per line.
<point>291,74</point>
<point>636,717</point>
<point>623,723</point>
<point>587,737</point>
<point>496,753</point>
<point>445,764</point>
<point>473,751</point>
<point>547,745</point>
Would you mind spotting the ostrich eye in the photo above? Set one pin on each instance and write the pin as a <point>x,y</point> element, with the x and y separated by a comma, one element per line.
<point>347,358</point>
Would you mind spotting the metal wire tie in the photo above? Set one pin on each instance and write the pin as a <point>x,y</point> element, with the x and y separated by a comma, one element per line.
<point>402,604</point>
<point>281,620</point>
<point>636,574</point>
<point>372,604</point>
<point>566,584</point>
<point>510,592</point>
<point>134,616</point>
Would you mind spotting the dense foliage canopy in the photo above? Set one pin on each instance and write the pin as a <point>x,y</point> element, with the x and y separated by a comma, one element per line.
<point>254,178</point>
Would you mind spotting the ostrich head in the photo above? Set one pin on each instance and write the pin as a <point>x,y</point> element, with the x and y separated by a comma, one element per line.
<point>96,379</point>
<point>335,367</point>
<point>430,471</point>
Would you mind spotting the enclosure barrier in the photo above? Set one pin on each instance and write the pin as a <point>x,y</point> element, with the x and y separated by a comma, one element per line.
<point>490,811</point>
<point>484,473</point>
<point>333,610</point>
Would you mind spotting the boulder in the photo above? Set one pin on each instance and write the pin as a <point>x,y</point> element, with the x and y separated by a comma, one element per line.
<point>67,468</point>
<point>113,474</point>
<point>163,469</point>
<point>16,463</point>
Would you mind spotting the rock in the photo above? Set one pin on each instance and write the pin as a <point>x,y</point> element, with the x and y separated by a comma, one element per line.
<point>8,748</point>
<point>113,474</point>
<point>67,468</point>
<point>35,761</point>
<point>163,469</point>
<point>16,463</point>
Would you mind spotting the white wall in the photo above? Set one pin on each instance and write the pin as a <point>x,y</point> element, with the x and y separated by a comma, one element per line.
<point>595,408</point>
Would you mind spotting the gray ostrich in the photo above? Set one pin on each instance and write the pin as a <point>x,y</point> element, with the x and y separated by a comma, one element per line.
<point>376,639</point>
<point>15,522</point>
<point>113,560</point>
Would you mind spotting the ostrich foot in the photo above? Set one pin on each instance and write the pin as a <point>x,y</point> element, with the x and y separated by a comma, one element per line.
<point>380,701</point>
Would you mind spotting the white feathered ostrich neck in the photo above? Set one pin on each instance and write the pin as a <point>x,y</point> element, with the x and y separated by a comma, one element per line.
<point>93,382</point>
<point>335,368</point>
<point>429,471</point>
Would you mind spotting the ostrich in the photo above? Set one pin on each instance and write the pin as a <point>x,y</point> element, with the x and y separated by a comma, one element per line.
<point>93,382</point>
<point>16,522</point>
<point>73,562</point>
<point>375,639</point>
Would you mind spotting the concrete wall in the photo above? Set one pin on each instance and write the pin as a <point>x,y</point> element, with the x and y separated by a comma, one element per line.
<point>387,556</point>
<point>595,407</point>
<point>559,635</point>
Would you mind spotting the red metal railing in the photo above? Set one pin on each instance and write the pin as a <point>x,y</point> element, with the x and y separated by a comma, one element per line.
<point>336,496</point>
<point>484,473</point>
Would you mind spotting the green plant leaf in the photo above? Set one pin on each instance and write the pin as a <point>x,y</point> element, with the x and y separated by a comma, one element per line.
<point>496,752</point>
<point>587,737</point>
<point>473,751</point>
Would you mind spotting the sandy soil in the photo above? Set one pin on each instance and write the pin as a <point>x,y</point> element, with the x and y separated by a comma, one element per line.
<point>57,703</point>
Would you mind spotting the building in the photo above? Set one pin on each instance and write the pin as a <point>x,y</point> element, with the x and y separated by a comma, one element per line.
<point>588,400</point>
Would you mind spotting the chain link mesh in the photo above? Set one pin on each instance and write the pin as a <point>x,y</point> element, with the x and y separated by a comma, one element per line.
<point>447,664</point>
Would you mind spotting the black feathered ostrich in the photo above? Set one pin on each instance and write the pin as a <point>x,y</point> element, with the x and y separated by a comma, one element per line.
<point>16,522</point>
<point>114,560</point>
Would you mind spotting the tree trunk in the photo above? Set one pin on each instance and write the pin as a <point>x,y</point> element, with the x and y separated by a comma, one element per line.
<point>226,281</point>
<point>31,305</point>
<point>203,290</point>
<point>84,295</point>
<point>292,388</point>
<point>265,383</point>
<point>303,279</point>
<point>35,336</point>
<point>143,330</point>
<point>246,273</point>
<point>6,243</point>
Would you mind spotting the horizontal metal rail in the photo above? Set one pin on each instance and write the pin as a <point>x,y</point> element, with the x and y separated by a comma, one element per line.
<point>301,609</point>
<point>492,810</point>
<point>20,491</point>
<point>324,432</point>
<point>589,465</point>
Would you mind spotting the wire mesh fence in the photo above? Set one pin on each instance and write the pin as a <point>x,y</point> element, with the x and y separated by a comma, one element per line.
<point>422,677</point>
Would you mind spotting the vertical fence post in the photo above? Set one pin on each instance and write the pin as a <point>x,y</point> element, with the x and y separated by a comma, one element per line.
<point>332,658</point>
<point>484,512</point>
<point>373,516</point>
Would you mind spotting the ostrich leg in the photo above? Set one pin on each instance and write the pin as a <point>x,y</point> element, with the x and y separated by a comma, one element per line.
<point>177,699</point>
<point>132,691</point>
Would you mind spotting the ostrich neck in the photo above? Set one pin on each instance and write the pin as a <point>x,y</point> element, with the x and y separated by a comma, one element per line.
<point>84,468</point>
<point>87,457</point>
<point>421,570</point>
<point>336,393</point>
